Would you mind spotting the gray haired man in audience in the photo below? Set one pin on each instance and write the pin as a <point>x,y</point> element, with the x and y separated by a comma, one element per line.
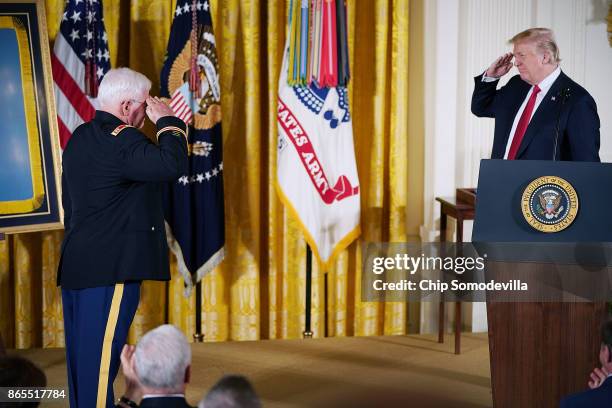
<point>231,391</point>
<point>157,370</point>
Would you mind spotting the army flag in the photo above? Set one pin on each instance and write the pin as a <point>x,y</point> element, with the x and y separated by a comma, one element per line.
<point>193,205</point>
<point>316,170</point>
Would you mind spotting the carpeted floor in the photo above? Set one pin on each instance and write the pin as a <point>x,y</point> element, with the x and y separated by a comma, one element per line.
<point>390,371</point>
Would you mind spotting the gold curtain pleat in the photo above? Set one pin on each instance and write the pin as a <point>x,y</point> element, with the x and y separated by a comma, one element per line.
<point>259,289</point>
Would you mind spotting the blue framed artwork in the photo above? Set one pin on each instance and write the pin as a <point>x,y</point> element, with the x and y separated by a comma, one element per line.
<point>30,156</point>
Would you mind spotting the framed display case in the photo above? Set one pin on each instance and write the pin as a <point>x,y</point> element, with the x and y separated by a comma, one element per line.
<point>30,196</point>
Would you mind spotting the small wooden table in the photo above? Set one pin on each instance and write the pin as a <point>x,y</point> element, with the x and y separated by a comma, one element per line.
<point>461,207</point>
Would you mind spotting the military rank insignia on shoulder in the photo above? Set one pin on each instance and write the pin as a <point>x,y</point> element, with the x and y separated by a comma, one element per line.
<point>119,128</point>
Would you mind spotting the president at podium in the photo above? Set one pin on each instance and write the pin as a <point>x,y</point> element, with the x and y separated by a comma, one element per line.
<point>540,114</point>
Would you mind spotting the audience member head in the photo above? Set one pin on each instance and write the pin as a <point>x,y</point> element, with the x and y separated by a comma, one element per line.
<point>162,361</point>
<point>18,372</point>
<point>123,93</point>
<point>231,391</point>
<point>605,352</point>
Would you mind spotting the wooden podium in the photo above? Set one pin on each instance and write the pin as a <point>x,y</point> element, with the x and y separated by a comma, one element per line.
<point>540,351</point>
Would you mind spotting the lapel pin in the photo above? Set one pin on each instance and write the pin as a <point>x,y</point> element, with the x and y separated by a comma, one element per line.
<point>553,99</point>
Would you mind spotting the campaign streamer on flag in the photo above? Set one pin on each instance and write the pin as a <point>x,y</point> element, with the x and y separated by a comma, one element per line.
<point>79,61</point>
<point>318,43</point>
<point>193,205</point>
<point>316,170</point>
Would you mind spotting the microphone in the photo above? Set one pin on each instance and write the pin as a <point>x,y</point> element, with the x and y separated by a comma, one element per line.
<point>564,94</point>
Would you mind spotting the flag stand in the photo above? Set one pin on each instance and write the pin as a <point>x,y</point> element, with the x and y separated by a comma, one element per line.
<point>198,336</point>
<point>325,316</point>
<point>307,333</point>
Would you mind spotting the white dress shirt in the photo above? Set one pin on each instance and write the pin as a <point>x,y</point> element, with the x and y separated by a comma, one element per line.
<point>544,88</point>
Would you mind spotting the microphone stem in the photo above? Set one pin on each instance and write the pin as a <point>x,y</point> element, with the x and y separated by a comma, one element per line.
<point>564,94</point>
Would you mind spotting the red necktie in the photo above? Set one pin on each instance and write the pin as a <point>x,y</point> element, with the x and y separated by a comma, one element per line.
<point>521,128</point>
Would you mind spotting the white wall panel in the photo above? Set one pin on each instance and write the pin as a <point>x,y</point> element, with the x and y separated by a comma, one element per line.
<point>462,37</point>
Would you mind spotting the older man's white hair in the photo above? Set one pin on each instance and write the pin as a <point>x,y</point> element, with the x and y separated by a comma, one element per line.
<point>122,84</point>
<point>161,358</point>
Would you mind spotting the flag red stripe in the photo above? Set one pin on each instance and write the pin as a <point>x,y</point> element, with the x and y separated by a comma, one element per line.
<point>64,133</point>
<point>179,104</point>
<point>175,101</point>
<point>72,91</point>
<point>181,110</point>
<point>65,110</point>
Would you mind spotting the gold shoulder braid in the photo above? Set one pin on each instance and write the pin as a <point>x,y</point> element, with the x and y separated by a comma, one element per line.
<point>119,128</point>
<point>176,131</point>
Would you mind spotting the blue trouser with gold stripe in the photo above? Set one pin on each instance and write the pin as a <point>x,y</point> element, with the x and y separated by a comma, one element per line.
<point>96,324</point>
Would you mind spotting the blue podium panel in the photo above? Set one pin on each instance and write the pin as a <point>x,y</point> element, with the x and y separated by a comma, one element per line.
<point>500,201</point>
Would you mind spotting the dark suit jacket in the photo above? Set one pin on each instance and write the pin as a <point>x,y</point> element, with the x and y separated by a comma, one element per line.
<point>578,125</point>
<point>112,202</point>
<point>596,398</point>
<point>164,402</point>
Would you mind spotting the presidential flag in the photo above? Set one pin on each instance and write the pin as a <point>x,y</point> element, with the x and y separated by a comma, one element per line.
<point>79,61</point>
<point>316,170</point>
<point>193,205</point>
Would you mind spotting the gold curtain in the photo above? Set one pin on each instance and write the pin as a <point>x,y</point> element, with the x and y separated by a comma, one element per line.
<point>259,289</point>
<point>610,25</point>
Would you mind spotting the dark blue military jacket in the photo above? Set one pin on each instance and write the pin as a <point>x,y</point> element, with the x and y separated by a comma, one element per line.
<point>111,184</point>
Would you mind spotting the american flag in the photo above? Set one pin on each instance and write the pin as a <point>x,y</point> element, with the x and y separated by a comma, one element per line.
<point>181,107</point>
<point>79,61</point>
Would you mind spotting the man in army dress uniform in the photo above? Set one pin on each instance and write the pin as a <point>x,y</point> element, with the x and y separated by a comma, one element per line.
<point>115,236</point>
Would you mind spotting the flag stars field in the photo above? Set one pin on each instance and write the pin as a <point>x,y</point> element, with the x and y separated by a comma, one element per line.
<point>81,42</point>
<point>201,177</point>
<point>76,16</point>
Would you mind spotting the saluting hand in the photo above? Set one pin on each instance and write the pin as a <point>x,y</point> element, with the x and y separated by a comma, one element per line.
<point>156,108</point>
<point>500,66</point>
<point>598,376</point>
<point>133,388</point>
